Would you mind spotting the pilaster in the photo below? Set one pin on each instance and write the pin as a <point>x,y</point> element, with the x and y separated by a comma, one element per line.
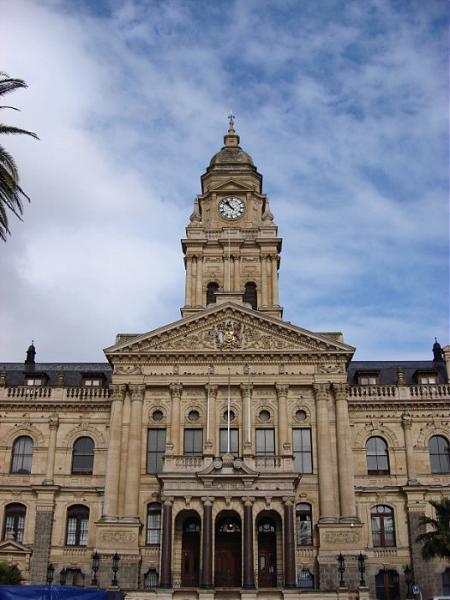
<point>113,460</point>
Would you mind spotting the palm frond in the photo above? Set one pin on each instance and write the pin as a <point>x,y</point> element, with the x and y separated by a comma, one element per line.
<point>12,130</point>
<point>9,84</point>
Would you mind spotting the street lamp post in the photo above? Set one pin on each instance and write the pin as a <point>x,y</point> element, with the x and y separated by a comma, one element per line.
<point>50,573</point>
<point>341,569</point>
<point>63,576</point>
<point>362,569</point>
<point>115,568</point>
<point>95,567</point>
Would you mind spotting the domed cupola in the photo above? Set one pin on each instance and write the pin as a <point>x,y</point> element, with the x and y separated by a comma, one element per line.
<point>231,162</point>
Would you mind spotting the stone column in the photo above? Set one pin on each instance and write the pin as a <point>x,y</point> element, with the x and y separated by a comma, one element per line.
<point>246,393</point>
<point>166,547</point>
<point>409,445</point>
<point>275,299</point>
<point>207,549</point>
<point>175,394</point>
<point>344,454</point>
<point>53,424</point>
<point>249,571</point>
<point>327,502</point>
<point>269,280</point>
<point>264,290</point>
<point>237,274</point>
<point>113,461</point>
<point>200,301</point>
<point>289,544</point>
<point>283,441</point>
<point>134,452</point>
<point>188,294</point>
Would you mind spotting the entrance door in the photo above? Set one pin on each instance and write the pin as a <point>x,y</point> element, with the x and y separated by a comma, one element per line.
<point>228,552</point>
<point>387,587</point>
<point>267,553</point>
<point>190,553</point>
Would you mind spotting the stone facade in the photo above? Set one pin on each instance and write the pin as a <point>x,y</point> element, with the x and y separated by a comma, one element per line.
<point>229,450</point>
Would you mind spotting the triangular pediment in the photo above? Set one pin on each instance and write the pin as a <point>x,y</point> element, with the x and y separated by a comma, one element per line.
<point>226,328</point>
<point>231,185</point>
<point>13,547</point>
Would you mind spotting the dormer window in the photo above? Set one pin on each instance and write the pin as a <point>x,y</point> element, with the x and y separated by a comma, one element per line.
<point>427,378</point>
<point>34,381</point>
<point>366,378</point>
<point>92,382</point>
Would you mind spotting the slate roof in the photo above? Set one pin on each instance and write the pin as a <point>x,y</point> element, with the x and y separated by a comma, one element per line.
<point>73,372</point>
<point>387,370</point>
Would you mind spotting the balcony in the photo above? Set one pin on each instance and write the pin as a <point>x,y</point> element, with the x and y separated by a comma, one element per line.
<point>58,394</point>
<point>395,392</point>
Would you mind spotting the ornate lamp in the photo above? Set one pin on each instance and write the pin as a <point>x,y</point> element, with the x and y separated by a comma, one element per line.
<point>362,569</point>
<point>63,576</point>
<point>115,568</point>
<point>341,569</point>
<point>50,573</point>
<point>95,567</point>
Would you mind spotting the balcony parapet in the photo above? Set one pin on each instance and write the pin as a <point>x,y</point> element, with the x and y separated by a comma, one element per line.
<point>404,392</point>
<point>25,392</point>
<point>182,462</point>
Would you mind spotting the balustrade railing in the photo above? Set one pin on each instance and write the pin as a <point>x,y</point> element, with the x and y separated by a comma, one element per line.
<point>379,391</point>
<point>430,391</point>
<point>53,393</point>
<point>87,392</point>
<point>400,392</point>
<point>268,462</point>
<point>29,391</point>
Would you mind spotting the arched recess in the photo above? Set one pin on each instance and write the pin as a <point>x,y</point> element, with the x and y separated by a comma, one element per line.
<point>228,549</point>
<point>187,547</point>
<point>269,544</point>
<point>250,294</point>
<point>211,290</point>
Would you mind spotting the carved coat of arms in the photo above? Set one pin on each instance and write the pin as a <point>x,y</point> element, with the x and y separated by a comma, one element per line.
<point>229,335</point>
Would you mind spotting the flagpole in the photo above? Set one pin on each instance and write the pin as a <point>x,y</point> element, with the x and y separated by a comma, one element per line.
<point>228,415</point>
<point>208,407</point>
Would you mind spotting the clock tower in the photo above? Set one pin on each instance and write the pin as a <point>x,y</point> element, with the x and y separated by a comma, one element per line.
<point>231,247</point>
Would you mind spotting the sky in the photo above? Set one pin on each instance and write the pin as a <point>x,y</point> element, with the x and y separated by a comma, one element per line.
<point>341,103</point>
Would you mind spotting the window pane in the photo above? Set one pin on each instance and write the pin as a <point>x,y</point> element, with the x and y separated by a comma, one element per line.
<point>156,448</point>
<point>71,531</point>
<point>153,524</point>
<point>193,442</point>
<point>234,441</point>
<point>83,532</point>
<point>22,455</point>
<point>302,450</point>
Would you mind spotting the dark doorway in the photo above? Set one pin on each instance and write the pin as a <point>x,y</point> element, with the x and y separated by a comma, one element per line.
<point>250,295</point>
<point>228,551</point>
<point>387,587</point>
<point>267,553</point>
<point>190,552</point>
<point>211,290</point>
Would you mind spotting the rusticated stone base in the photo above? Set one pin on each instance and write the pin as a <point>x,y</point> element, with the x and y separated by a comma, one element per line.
<point>41,547</point>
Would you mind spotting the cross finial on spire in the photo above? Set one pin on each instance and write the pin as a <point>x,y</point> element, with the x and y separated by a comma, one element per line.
<point>231,119</point>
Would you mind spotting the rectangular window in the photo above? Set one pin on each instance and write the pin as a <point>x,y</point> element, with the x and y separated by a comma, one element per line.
<point>193,442</point>
<point>265,441</point>
<point>34,381</point>
<point>92,382</point>
<point>234,441</point>
<point>302,450</point>
<point>430,379</point>
<point>368,379</point>
<point>156,448</point>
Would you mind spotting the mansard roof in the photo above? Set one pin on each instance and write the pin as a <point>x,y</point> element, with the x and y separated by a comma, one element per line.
<point>73,372</point>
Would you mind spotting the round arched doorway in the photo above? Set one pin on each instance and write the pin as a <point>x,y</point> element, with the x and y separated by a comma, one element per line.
<point>267,552</point>
<point>190,552</point>
<point>228,550</point>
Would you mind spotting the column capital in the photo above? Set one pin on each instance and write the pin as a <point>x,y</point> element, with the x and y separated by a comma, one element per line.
<point>341,391</point>
<point>407,420</point>
<point>53,421</point>
<point>212,389</point>
<point>207,500</point>
<point>246,389</point>
<point>248,500</point>
<point>137,391</point>
<point>321,391</point>
<point>282,389</point>
<point>119,391</point>
<point>175,390</point>
<point>167,500</point>
<point>288,500</point>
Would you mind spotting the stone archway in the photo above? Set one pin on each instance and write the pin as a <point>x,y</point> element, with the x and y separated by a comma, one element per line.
<point>228,550</point>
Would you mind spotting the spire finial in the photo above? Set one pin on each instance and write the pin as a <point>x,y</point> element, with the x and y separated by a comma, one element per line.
<point>231,119</point>
<point>31,353</point>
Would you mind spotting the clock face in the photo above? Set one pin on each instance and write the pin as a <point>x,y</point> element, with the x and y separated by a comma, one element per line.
<point>231,207</point>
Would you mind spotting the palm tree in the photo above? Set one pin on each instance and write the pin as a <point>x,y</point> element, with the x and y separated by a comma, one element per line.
<point>9,574</point>
<point>11,194</point>
<point>437,542</point>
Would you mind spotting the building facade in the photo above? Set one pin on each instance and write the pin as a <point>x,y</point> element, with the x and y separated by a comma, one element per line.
<point>229,454</point>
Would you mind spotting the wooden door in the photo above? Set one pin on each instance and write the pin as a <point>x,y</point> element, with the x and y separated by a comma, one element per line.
<point>267,561</point>
<point>228,563</point>
<point>190,558</point>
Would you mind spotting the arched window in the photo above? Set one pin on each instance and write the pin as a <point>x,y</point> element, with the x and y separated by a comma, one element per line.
<point>153,536</point>
<point>303,515</point>
<point>211,290</point>
<point>22,455</point>
<point>151,579</point>
<point>439,454</point>
<point>383,531</point>
<point>387,586</point>
<point>14,521</point>
<point>305,579</point>
<point>446,582</point>
<point>377,456</point>
<point>250,295</point>
<point>77,525</point>
<point>83,456</point>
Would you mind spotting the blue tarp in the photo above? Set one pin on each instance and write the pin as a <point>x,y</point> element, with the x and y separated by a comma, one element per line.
<point>49,592</point>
